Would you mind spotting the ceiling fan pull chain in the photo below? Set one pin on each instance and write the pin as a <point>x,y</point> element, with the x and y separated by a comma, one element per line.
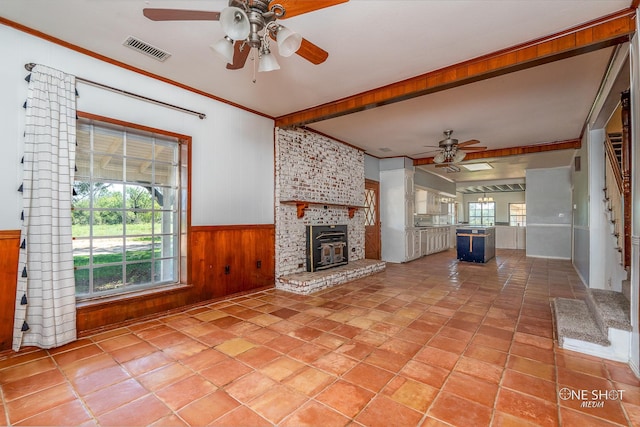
<point>254,69</point>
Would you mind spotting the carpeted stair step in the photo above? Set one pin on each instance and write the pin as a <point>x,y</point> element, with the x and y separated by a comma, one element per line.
<point>574,320</point>
<point>610,309</point>
<point>626,289</point>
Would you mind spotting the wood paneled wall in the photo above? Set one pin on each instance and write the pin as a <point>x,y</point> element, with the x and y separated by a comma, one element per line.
<point>9,251</point>
<point>224,260</point>
<point>227,260</point>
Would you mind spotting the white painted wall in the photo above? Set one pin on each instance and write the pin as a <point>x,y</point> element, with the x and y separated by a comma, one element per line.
<point>232,151</point>
<point>393,214</point>
<point>581,233</point>
<point>549,213</point>
<point>371,168</point>
<point>599,227</point>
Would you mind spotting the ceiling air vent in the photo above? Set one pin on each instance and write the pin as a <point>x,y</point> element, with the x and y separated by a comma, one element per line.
<point>146,48</point>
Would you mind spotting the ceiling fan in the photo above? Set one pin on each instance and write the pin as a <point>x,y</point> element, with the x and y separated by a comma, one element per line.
<point>250,24</point>
<point>451,151</point>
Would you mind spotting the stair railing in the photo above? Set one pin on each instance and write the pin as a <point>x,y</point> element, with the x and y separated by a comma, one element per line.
<point>613,195</point>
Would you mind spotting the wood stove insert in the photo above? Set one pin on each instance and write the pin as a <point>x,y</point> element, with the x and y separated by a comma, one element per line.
<point>327,247</point>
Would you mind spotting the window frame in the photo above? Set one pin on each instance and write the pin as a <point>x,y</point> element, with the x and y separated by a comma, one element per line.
<point>183,214</point>
<point>519,224</point>
<point>482,216</point>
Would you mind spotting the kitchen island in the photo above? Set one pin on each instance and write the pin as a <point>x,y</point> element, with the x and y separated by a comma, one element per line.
<point>476,243</point>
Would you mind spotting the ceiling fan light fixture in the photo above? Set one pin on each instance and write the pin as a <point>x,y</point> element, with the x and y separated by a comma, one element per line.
<point>235,23</point>
<point>224,48</point>
<point>288,41</point>
<point>440,157</point>
<point>268,62</point>
<point>459,156</point>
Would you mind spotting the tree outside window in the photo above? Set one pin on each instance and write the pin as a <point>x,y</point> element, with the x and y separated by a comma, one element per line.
<point>128,209</point>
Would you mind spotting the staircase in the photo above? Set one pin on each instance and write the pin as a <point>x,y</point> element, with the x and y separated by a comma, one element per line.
<point>613,194</point>
<point>599,325</point>
<point>616,143</point>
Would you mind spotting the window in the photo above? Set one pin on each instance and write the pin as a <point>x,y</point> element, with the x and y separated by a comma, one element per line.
<point>482,213</point>
<point>518,214</point>
<point>452,212</point>
<point>369,207</point>
<point>129,209</point>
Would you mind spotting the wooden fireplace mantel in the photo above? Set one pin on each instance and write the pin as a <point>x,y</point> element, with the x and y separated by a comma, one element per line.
<point>301,205</point>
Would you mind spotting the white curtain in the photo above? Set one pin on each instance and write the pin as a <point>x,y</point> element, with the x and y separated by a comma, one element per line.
<point>45,298</point>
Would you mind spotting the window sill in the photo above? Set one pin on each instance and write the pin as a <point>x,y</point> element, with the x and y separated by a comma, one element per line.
<point>131,296</point>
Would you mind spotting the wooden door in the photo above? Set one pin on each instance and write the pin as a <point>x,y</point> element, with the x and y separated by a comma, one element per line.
<point>372,246</point>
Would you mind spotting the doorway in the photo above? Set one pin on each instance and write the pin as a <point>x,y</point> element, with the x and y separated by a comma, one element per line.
<point>372,244</point>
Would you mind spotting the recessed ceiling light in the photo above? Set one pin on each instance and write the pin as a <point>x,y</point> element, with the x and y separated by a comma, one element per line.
<point>477,166</point>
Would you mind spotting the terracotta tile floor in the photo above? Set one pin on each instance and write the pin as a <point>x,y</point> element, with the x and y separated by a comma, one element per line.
<point>431,342</point>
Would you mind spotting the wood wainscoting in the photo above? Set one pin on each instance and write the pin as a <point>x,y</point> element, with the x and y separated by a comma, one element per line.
<point>9,252</point>
<point>230,259</point>
<point>223,260</point>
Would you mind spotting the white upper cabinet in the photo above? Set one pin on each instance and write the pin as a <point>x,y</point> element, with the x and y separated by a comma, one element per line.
<point>427,202</point>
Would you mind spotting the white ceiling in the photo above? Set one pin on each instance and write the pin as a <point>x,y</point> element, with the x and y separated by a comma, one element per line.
<point>371,43</point>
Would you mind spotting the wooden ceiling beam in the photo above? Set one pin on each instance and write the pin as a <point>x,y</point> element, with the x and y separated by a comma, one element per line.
<point>606,31</point>
<point>511,151</point>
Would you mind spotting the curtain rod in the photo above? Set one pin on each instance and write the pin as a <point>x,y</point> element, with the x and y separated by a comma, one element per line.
<point>29,66</point>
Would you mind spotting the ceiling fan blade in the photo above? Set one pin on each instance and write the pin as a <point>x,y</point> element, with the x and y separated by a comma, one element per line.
<point>471,148</point>
<point>422,153</point>
<point>240,54</point>
<point>469,142</point>
<point>180,15</point>
<point>298,7</point>
<point>312,53</point>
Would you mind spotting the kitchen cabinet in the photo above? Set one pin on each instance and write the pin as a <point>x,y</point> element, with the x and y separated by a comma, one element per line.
<point>424,241</point>
<point>433,203</point>
<point>434,239</point>
<point>428,202</point>
<point>400,201</point>
<point>412,241</point>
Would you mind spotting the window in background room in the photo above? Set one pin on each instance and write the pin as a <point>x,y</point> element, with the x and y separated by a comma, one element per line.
<point>482,213</point>
<point>517,214</point>
<point>452,213</point>
<point>129,209</point>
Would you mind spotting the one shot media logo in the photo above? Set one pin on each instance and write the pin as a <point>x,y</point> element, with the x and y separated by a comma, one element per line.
<point>590,398</point>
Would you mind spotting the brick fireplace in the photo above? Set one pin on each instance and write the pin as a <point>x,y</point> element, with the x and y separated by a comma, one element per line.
<point>319,181</point>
